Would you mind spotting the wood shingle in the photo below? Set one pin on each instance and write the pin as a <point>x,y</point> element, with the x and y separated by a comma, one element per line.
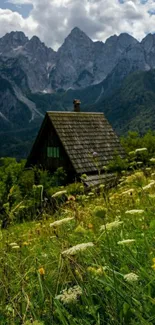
<point>88,139</point>
<point>85,142</point>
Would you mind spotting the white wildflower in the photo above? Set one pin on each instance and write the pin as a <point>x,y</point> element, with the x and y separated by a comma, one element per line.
<point>70,295</point>
<point>152,196</point>
<point>111,225</point>
<point>60,193</point>
<point>131,277</point>
<point>153,174</point>
<point>130,191</point>
<point>13,244</point>
<point>149,186</point>
<point>60,222</point>
<point>126,241</point>
<point>135,211</point>
<point>77,248</point>
<point>140,150</point>
<point>15,247</point>
<point>152,160</point>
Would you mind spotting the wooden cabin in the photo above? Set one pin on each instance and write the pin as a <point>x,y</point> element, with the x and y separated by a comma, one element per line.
<point>81,143</point>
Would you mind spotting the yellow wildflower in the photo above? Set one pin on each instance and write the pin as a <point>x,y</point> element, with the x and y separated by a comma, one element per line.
<point>153,267</point>
<point>41,271</point>
<point>25,243</point>
<point>153,260</point>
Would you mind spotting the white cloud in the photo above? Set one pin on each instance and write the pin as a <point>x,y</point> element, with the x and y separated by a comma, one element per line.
<point>52,20</point>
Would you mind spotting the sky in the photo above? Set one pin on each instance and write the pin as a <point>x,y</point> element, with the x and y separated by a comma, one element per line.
<point>52,20</point>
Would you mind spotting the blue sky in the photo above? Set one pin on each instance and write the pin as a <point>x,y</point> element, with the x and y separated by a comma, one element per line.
<point>52,20</point>
<point>24,10</point>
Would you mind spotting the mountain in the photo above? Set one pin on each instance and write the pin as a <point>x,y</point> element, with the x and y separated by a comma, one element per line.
<point>34,79</point>
<point>82,62</point>
<point>132,106</point>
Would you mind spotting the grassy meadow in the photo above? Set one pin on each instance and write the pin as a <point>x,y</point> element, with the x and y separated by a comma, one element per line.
<point>92,262</point>
<point>74,257</point>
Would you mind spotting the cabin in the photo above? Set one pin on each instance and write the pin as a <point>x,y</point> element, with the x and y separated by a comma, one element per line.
<point>81,143</point>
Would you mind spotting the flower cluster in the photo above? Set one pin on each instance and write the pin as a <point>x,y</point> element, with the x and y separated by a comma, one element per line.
<point>140,150</point>
<point>70,295</point>
<point>131,277</point>
<point>134,211</point>
<point>111,225</point>
<point>77,248</point>
<point>126,241</point>
<point>153,266</point>
<point>149,186</point>
<point>60,222</point>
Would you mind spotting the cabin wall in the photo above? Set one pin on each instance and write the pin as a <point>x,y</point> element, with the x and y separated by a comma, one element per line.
<point>39,157</point>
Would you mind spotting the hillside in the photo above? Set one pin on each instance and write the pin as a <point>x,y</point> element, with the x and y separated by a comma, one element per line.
<point>72,257</point>
<point>132,106</point>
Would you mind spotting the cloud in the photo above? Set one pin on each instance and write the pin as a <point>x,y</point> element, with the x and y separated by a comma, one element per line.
<point>52,20</point>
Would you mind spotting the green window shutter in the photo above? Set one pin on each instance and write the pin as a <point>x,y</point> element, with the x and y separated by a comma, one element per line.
<point>53,152</point>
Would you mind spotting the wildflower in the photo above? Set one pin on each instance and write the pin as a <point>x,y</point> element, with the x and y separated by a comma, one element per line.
<point>25,243</point>
<point>139,163</point>
<point>59,193</point>
<point>60,222</point>
<point>140,150</point>
<point>135,211</point>
<point>152,196</point>
<point>41,271</point>
<point>138,176</point>
<point>111,225</point>
<point>90,226</point>
<point>153,260</point>
<point>152,160</point>
<point>13,244</point>
<point>131,153</point>
<point>150,185</point>
<point>96,271</point>
<point>90,194</point>
<point>70,295</point>
<point>126,241</point>
<point>130,192</point>
<point>71,198</point>
<point>77,248</point>
<point>153,267</point>
<point>95,154</point>
<point>131,277</point>
<point>15,247</point>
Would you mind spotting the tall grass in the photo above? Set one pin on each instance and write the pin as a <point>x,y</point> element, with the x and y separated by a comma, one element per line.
<point>96,266</point>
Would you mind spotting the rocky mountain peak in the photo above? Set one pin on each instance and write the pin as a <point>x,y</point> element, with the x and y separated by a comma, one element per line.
<point>16,37</point>
<point>77,36</point>
<point>148,42</point>
<point>12,41</point>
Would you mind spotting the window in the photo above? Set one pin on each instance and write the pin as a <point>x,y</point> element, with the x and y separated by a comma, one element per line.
<point>53,152</point>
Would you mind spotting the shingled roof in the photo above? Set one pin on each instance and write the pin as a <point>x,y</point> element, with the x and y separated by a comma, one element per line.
<point>87,138</point>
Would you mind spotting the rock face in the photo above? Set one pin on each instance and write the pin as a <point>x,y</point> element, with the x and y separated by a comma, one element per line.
<point>32,56</point>
<point>79,62</point>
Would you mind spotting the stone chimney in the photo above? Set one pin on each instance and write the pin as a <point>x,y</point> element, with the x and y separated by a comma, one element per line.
<point>76,103</point>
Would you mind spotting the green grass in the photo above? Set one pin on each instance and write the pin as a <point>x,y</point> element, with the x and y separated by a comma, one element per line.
<point>39,284</point>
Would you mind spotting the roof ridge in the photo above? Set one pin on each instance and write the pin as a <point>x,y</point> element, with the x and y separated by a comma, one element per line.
<point>74,113</point>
